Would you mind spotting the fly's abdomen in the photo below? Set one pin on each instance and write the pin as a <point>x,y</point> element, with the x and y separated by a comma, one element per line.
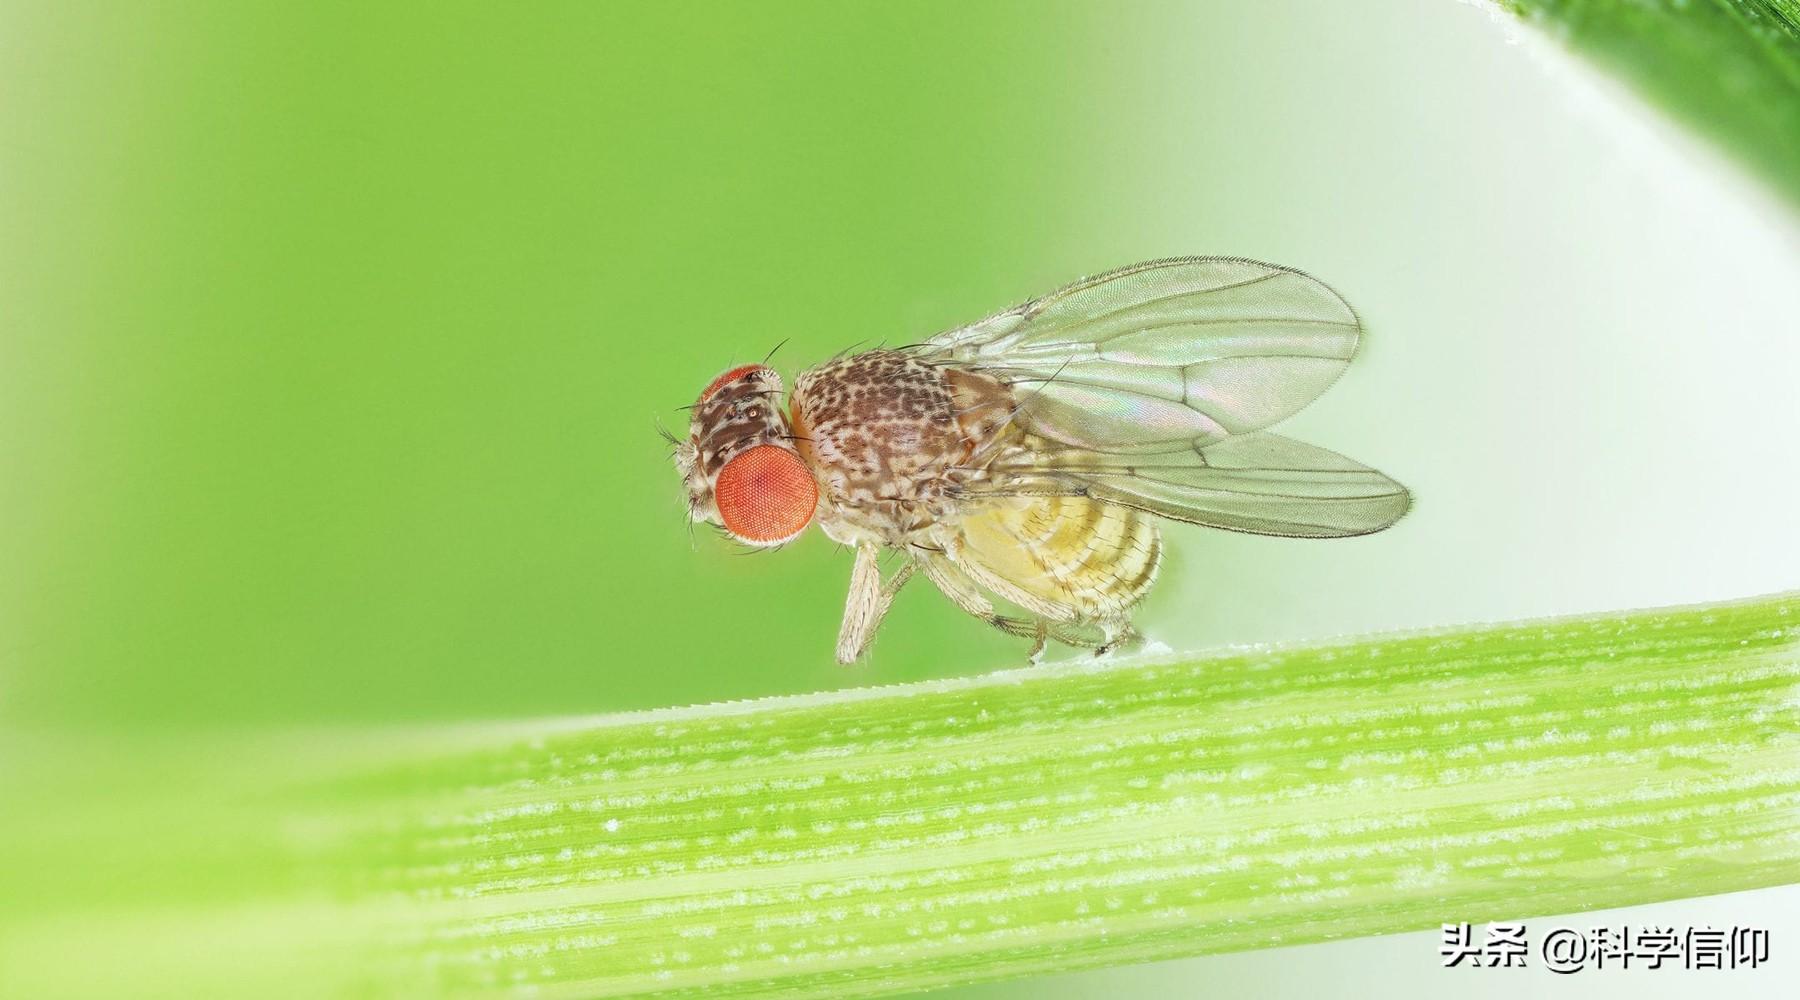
<point>1066,558</point>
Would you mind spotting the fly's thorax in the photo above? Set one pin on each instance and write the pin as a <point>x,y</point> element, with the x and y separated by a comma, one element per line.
<point>891,438</point>
<point>984,407</point>
<point>739,463</point>
<point>880,425</point>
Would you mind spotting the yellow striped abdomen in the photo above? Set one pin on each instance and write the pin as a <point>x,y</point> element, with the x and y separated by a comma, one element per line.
<point>1066,558</point>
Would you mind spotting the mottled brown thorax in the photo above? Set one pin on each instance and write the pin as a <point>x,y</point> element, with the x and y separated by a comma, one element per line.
<point>891,439</point>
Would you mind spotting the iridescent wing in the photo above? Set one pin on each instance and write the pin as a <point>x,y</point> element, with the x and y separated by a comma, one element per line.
<point>1261,483</point>
<point>1164,356</point>
<point>1146,386</point>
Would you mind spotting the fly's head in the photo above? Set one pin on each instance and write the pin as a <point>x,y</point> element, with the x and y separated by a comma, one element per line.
<point>739,463</point>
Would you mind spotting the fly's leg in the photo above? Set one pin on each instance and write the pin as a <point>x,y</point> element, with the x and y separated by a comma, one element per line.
<point>1119,635</point>
<point>964,593</point>
<point>867,603</point>
<point>1077,636</point>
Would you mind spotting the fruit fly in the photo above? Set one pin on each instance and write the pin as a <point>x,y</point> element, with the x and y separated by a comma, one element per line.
<point>1026,457</point>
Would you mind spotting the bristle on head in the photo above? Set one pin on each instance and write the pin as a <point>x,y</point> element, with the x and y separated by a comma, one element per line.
<point>768,375</point>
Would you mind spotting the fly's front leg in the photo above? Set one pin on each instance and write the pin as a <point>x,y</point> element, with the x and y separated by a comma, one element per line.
<point>868,602</point>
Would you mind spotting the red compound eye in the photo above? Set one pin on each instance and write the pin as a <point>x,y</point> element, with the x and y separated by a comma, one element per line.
<point>766,495</point>
<point>726,379</point>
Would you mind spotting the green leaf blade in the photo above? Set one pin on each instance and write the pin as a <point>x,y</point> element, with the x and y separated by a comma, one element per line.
<point>1729,69</point>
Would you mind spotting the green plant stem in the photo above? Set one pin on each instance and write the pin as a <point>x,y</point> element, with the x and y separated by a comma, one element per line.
<point>1050,820</point>
<point>1032,821</point>
<point>1728,68</point>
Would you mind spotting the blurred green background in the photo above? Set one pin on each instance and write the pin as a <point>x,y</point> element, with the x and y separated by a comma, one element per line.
<point>335,336</point>
<point>332,338</point>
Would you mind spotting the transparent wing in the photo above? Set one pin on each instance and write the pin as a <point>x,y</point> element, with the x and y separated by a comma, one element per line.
<point>1168,355</point>
<point>1260,483</point>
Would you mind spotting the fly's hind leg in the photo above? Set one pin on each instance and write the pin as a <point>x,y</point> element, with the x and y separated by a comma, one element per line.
<point>1078,636</point>
<point>964,593</point>
<point>1120,635</point>
<point>1069,634</point>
